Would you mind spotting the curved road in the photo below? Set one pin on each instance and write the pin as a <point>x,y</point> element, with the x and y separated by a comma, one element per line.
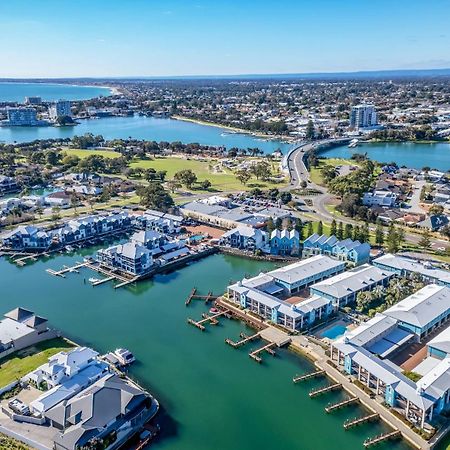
<point>298,172</point>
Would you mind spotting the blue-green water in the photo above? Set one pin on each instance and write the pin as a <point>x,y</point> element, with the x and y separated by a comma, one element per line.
<point>409,154</point>
<point>16,92</point>
<point>213,396</point>
<point>148,128</point>
<point>334,332</point>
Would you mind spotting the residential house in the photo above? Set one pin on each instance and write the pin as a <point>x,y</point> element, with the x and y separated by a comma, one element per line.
<point>285,242</point>
<point>244,238</point>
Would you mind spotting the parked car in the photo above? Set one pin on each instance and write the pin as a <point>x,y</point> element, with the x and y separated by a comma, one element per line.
<point>19,407</point>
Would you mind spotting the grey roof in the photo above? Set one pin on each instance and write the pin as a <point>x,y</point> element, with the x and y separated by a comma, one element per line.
<point>441,341</point>
<point>371,329</point>
<point>410,265</point>
<point>19,314</point>
<point>422,307</point>
<point>437,381</point>
<point>352,281</point>
<point>306,268</point>
<point>90,411</point>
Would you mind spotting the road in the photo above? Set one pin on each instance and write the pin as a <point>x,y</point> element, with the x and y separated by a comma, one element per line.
<point>298,172</point>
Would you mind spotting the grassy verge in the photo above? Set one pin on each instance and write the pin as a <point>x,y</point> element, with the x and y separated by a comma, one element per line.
<point>18,364</point>
<point>7,443</point>
<point>316,176</point>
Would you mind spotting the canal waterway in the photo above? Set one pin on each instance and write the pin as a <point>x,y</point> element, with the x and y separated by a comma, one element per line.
<point>16,92</point>
<point>409,154</point>
<point>213,396</point>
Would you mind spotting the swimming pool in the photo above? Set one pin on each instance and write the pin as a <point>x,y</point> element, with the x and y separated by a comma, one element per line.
<point>334,332</point>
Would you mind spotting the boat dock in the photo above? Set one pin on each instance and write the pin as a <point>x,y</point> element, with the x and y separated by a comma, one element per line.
<point>369,442</point>
<point>243,341</point>
<point>350,401</point>
<point>308,376</point>
<point>320,391</point>
<point>267,348</point>
<point>211,319</point>
<point>67,269</point>
<point>194,296</point>
<point>350,423</point>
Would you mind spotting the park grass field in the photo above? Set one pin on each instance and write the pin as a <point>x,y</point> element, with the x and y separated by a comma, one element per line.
<point>18,364</point>
<point>225,181</point>
<point>81,153</point>
<point>315,174</point>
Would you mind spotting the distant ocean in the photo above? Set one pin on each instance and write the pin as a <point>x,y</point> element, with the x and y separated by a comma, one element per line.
<point>16,92</point>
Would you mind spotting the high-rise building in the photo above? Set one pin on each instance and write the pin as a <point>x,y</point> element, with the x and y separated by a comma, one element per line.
<point>33,100</point>
<point>22,117</point>
<point>61,108</point>
<point>363,116</point>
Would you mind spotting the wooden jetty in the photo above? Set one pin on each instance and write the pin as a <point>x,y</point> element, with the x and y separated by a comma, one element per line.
<point>320,391</point>
<point>243,341</point>
<point>206,318</point>
<point>191,295</point>
<point>369,442</point>
<point>333,406</point>
<point>308,376</point>
<point>194,296</point>
<point>267,348</point>
<point>67,269</point>
<point>350,423</point>
<point>103,280</point>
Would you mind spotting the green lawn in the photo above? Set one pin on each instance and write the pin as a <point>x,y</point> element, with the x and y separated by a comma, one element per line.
<point>315,174</point>
<point>85,153</point>
<point>225,181</point>
<point>20,363</point>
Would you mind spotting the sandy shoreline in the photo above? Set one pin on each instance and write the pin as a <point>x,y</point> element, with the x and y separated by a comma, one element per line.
<point>269,137</point>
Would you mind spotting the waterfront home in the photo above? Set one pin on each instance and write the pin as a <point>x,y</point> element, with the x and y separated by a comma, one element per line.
<point>268,294</point>
<point>342,289</point>
<point>364,351</point>
<point>379,198</point>
<point>406,267</point>
<point>152,240</point>
<point>159,221</point>
<point>21,328</point>
<point>244,238</point>
<point>63,366</point>
<point>424,311</point>
<point>27,238</point>
<point>345,250</point>
<point>110,411</point>
<point>58,199</point>
<point>285,242</point>
<point>131,257</point>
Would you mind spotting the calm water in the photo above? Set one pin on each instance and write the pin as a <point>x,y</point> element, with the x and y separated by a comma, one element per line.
<point>16,92</point>
<point>436,156</point>
<point>214,397</point>
<point>148,128</point>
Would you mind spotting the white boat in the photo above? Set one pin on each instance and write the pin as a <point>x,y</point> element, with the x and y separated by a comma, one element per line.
<point>93,280</point>
<point>124,356</point>
<point>353,143</point>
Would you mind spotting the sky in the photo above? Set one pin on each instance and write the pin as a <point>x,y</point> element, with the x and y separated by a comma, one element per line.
<point>126,38</point>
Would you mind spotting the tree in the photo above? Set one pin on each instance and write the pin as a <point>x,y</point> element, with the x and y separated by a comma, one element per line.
<point>270,226</point>
<point>261,170</point>
<point>243,176</point>
<point>425,240</point>
<point>303,184</point>
<point>310,229</point>
<point>392,240</point>
<point>340,231</point>
<point>356,232</point>
<point>364,233</point>
<point>436,210</point>
<point>173,185</point>
<point>205,185</point>
<point>348,231</point>
<point>154,196</point>
<point>310,132</point>
<point>299,227</point>
<point>333,228</point>
<point>320,228</point>
<point>56,213</point>
<point>186,177</point>
<point>379,234</point>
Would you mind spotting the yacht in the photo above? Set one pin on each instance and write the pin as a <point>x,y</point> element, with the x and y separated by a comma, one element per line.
<point>124,356</point>
<point>93,280</point>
